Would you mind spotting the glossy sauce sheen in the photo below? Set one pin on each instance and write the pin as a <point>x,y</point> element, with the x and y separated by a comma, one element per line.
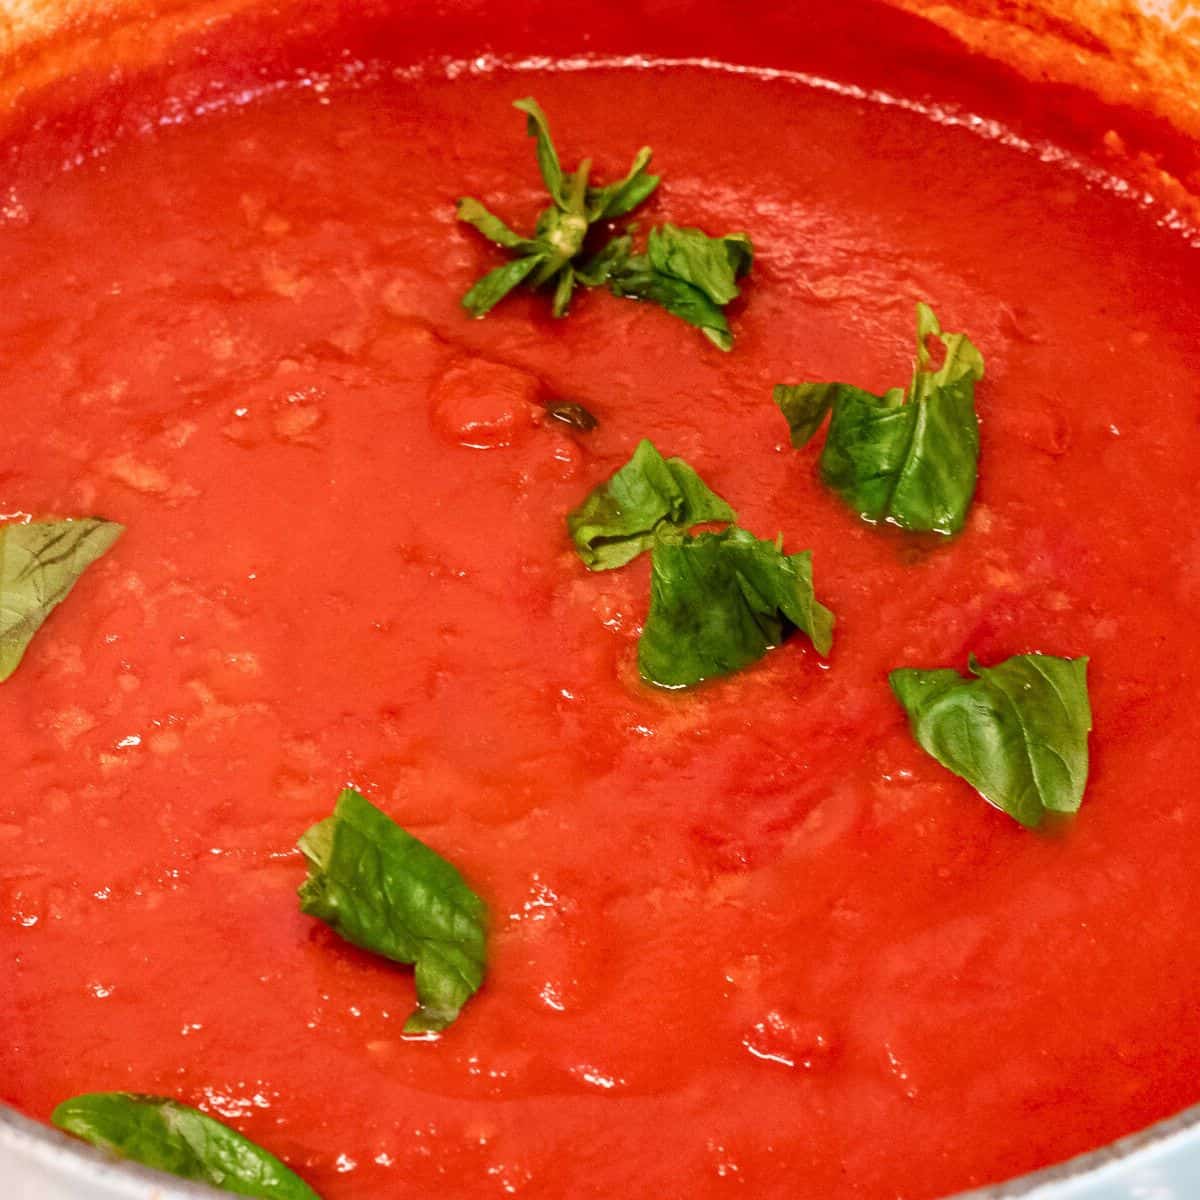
<point>744,937</point>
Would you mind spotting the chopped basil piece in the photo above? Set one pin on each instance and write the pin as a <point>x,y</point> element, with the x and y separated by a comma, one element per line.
<point>380,888</point>
<point>174,1137</point>
<point>691,275</point>
<point>550,256</point>
<point>39,564</point>
<point>619,519</point>
<point>712,264</point>
<point>909,456</point>
<point>720,601</point>
<point>1017,733</point>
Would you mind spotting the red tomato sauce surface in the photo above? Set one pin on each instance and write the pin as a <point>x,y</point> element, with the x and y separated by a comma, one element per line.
<point>748,936</point>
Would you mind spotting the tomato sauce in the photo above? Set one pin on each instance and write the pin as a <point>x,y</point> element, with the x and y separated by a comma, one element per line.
<point>746,936</point>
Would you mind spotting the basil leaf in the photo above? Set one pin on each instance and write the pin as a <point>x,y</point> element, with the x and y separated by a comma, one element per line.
<point>174,1137</point>
<point>495,285</point>
<point>553,255</point>
<point>638,280</point>
<point>1017,733</point>
<point>962,365</point>
<point>538,128</point>
<point>619,199</point>
<point>909,457</point>
<point>39,564</point>
<point>805,407</point>
<point>380,888</point>
<point>474,214</point>
<point>619,519</point>
<point>720,601</point>
<point>689,274</point>
<point>562,292</point>
<point>712,264</point>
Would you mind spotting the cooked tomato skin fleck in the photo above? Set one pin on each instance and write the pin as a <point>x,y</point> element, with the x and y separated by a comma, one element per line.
<point>749,933</point>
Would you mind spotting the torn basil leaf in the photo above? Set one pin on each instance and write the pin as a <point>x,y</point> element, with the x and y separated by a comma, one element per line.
<point>619,519</point>
<point>170,1136</point>
<point>1017,733</point>
<point>551,255</point>
<point>910,456</point>
<point>720,601</point>
<point>39,564</point>
<point>712,264</point>
<point>380,888</point>
<point>691,275</point>
<point>637,280</point>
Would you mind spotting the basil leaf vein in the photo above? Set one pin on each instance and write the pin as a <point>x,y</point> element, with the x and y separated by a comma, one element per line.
<point>720,601</point>
<point>174,1137</point>
<point>620,517</point>
<point>1018,732</point>
<point>39,565</point>
<point>909,456</point>
<point>381,889</point>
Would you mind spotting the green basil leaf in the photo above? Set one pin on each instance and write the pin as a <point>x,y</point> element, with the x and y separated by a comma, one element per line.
<point>474,214</point>
<point>1017,733</point>
<point>621,198</point>
<point>39,564</point>
<point>712,264</point>
<point>174,1137</point>
<point>538,128</point>
<point>619,519</point>
<point>495,285</point>
<point>562,292</point>
<point>805,407</point>
<point>907,457</point>
<point>380,888</point>
<point>720,601</point>
<point>962,365</point>
<point>638,280</point>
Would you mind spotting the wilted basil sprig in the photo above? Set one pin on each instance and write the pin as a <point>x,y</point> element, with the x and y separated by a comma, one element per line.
<point>549,256</point>
<point>684,270</point>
